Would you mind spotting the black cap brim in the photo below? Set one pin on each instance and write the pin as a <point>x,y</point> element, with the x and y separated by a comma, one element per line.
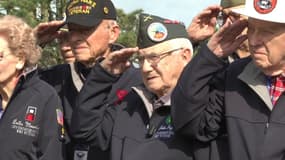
<point>83,20</point>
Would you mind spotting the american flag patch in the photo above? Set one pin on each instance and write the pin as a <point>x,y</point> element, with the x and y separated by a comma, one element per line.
<point>59,117</point>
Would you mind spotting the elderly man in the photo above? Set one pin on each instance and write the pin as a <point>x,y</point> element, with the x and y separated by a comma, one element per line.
<point>246,96</point>
<point>93,31</point>
<point>141,126</point>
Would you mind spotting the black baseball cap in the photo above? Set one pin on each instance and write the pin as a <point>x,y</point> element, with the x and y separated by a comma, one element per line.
<point>89,13</point>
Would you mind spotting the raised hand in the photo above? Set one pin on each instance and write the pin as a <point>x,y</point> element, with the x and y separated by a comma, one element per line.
<point>228,38</point>
<point>203,25</point>
<point>118,61</point>
<point>48,31</point>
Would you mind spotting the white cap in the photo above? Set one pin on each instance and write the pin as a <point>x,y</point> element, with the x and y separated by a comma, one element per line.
<point>267,10</point>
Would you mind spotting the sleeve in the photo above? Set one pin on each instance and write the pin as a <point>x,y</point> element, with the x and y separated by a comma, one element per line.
<point>51,134</point>
<point>93,118</point>
<point>198,98</point>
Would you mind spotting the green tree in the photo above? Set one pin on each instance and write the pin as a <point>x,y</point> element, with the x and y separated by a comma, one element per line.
<point>128,24</point>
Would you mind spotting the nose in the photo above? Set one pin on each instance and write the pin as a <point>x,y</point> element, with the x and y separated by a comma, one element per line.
<point>146,66</point>
<point>254,37</point>
<point>73,36</point>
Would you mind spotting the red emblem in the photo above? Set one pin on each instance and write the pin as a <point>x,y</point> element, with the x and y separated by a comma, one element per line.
<point>121,95</point>
<point>264,6</point>
<point>31,114</point>
<point>172,22</point>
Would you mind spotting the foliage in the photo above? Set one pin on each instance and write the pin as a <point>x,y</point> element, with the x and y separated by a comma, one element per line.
<point>128,23</point>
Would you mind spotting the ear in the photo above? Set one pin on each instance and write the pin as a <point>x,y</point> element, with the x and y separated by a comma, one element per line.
<point>186,54</point>
<point>114,33</point>
<point>20,64</point>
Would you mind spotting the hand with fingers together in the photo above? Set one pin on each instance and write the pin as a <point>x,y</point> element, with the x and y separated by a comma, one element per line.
<point>48,31</point>
<point>203,25</point>
<point>226,40</point>
<point>118,61</point>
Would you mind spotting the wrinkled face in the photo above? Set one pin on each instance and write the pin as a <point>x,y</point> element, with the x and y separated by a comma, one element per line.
<point>266,44</point>
<point>66,51</point>
<point>161,68</point>
<point>89,43</point>
<point>8,63</point>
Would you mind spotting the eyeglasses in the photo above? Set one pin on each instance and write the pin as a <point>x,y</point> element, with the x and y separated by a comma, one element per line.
<point>153,59</point>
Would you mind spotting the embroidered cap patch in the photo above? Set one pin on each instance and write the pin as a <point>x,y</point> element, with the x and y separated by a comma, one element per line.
<point>157,32</point>
<point>264,6</point>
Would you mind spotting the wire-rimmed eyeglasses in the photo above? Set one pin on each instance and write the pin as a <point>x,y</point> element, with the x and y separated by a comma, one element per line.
<point>153,59</point>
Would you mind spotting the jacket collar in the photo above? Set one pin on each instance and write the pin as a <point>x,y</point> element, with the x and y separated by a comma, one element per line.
<point>148,98</point>
<point>256,80</point>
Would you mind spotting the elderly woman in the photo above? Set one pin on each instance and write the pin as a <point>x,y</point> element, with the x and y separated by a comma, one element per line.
<point>31,125</point>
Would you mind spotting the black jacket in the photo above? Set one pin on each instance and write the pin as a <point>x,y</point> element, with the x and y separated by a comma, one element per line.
<point>60,77</point>
<point>211,94</point>
<point>123,129</point>
<point>31,126</point>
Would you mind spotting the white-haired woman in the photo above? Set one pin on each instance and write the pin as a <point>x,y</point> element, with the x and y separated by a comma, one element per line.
<point>31,125</point>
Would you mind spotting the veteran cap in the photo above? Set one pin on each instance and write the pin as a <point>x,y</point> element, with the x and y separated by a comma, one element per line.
<point>231,3</point>
<point>267,10</point>
<point>153,30</point>
<point>89,13</point>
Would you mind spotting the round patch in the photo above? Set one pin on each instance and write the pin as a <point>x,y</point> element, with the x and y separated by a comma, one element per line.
<point>264,6</point>
<point>157,32</point>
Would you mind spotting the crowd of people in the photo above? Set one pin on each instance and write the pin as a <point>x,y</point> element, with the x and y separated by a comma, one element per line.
<point>212,91</point>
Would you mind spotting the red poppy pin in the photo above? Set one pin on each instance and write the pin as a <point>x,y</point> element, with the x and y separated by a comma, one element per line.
<point>264,6</point>
<point>121,93</point>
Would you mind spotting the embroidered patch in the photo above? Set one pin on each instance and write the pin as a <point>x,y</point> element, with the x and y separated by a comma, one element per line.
<point>157,32</point>
<point>165,131</point>
<point>264,6</point>
<point>59,117</point>
<point>24,128</point>
<point>147,18</point>
<point>31,113</point>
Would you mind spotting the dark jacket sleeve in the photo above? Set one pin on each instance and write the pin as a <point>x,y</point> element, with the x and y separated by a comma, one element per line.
<point>198,97</point>
<point>92,119</point>
<point>50,140</point>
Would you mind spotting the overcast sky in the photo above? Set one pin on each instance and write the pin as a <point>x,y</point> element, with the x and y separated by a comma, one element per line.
<point>182,10</point>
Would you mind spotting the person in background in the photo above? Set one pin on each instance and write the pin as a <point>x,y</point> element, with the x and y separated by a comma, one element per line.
<point>140,127</point>
<point>202,28</point>
<point>229,5</point>
<point>93,32</point>
<point>31,118</point>
<point>246,97</point>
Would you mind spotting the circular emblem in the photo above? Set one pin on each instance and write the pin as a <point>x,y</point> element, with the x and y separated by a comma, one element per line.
<point>106,10</point>
<point>157,32</point>
<point>264,6</point>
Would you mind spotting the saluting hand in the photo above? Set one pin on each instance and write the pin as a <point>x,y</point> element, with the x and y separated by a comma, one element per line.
<point>118,61</point>
<point>48,31</point>
<point>228,38</point>
<point>203,25</point>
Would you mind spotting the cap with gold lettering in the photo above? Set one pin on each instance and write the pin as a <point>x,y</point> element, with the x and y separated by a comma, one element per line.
<point>89,13</point>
